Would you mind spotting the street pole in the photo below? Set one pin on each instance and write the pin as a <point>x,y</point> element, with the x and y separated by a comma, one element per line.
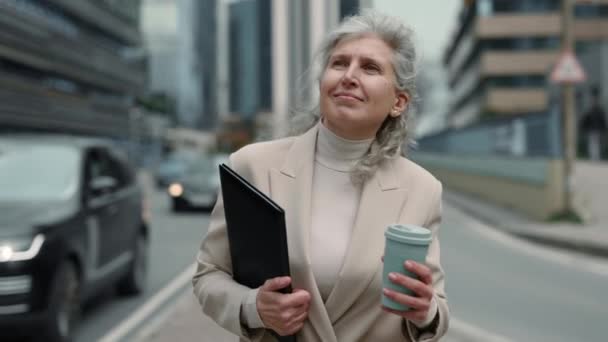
<point>568,109</point>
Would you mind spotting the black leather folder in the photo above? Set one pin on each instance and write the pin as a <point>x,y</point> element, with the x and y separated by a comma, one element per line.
<point>256,233</point>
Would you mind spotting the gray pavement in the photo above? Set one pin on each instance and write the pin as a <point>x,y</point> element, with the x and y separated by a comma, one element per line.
<point>185,321</point>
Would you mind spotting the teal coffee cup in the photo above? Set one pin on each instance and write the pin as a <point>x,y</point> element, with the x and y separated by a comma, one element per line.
<point>403,242</point>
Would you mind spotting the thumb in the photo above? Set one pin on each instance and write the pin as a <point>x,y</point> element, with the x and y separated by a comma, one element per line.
<point>276,284</point>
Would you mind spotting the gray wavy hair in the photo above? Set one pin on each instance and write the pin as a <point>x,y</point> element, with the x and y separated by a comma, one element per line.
<point>393,137</point>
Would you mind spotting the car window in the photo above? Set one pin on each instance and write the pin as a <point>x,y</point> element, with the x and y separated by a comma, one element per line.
<point>100,165</point>
<point>120,170</point>
<point>38,172</point>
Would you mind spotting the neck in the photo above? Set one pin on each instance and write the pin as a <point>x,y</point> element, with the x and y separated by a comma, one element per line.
<point>351,135</point>
<point>337,153</point>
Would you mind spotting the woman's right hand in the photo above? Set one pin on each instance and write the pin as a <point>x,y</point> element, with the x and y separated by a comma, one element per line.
<point>283,313</point>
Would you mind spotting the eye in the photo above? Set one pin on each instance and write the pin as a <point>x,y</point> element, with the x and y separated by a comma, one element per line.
<point>339,63</point>
<point>371,67</point>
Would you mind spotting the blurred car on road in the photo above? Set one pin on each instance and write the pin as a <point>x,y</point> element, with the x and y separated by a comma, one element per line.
<point>199,186</point>
<point>171,169</point>
<point>71,225</point>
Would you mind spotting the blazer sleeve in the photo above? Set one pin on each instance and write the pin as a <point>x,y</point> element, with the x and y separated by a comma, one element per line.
<point>219,295</point>
<point>439,325</point>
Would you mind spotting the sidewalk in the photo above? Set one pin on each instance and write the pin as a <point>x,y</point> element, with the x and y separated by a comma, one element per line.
<point>186,322</point>
<point>591,183</point>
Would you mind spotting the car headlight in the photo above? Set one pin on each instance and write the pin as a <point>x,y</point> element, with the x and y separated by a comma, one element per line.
<point>176,190</point>
<point>20,249</point>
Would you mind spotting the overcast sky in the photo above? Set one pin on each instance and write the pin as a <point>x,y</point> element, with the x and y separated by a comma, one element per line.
<point>433,20</point>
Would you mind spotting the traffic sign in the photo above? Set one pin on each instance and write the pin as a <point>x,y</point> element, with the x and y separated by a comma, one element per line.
<point>568,70</point>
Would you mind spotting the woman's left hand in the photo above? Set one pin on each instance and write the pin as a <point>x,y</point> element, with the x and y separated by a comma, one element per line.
<point>423,288</point>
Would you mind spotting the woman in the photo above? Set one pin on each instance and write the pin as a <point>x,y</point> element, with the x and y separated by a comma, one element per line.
<point>341,183</point>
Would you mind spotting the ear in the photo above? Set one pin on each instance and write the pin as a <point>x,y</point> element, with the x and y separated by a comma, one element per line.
<point>402,100</point>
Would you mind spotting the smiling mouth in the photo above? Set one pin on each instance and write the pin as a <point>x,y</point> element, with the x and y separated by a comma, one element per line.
<point>347,97</point>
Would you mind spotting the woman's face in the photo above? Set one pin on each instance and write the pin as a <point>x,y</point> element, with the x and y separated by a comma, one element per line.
<point>357,88</point>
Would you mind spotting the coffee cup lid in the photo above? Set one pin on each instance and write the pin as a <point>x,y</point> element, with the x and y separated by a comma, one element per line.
<point>407,233</point>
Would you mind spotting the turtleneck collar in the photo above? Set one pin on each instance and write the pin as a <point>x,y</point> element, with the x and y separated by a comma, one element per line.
<point>337,153</point>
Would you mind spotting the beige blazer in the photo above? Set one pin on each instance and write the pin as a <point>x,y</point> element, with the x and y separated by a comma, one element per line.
<point>399,192</point>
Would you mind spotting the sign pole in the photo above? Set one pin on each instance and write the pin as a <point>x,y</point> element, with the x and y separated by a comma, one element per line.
<point>568,110</point>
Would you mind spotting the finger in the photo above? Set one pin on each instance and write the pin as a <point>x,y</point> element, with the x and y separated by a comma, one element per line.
<point>419,288</point>
<point>298,298</point>
<point>293,300</point>
<point>276,284</point>
<point>302,308</point>
<point>301,291</point>
<point>414,303</point>
<point>295,328</point>
<point>287,315</point>
<point>300,317</point>
<point>422,271</point>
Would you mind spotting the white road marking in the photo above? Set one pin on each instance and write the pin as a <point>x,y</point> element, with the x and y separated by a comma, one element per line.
<point>157,322</point>
<point>149,307</point>
<point>572,259</point>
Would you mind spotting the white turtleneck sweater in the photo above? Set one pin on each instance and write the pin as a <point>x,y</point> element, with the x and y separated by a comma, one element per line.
<point>335,200</point>
<point>334,204</point>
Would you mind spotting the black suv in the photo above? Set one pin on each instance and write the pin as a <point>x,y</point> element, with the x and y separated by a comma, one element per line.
<point>72,224</point>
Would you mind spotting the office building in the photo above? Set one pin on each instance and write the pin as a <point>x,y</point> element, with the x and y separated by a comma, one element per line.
<point>245,73</point>
<point>70,66</point>
<point>159,29</point>
<point>206,25</point>
<point>502,53</point>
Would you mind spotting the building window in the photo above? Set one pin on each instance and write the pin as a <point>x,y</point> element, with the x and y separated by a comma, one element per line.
<point>485,8</point>
<point>526,6</point>
<point>528,43</point>
<point>590,11</point>
<point>524,81</point>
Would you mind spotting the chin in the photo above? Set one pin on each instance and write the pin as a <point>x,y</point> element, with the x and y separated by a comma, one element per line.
<point>348,113</point>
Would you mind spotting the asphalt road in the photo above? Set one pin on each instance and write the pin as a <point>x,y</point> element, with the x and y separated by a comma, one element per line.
<point>174,241</point>
<point>520,291</point>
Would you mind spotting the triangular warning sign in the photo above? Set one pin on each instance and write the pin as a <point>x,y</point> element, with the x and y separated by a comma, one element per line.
<point>568,69</point>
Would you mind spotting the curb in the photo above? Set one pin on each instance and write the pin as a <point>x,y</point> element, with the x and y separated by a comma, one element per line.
<point>586,247</point>
<point>590,248</point>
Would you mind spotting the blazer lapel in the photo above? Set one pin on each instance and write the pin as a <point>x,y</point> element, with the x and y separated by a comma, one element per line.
<point>382,200</point>
<point>290,187</point>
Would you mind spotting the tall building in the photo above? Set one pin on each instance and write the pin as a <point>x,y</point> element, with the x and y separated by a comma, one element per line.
<point>245,73</point>
<point>159,29</point>
<point>70,66</point>
<point>352,7</point>
<point>189,73</point>
<point>251,63</point>
<point>264,13</point>
<point>206,45</point>
<point>222,56</point>
<point>198,72</point>
<point>503,50</point>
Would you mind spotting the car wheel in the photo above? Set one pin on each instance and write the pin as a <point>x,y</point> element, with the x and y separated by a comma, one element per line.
<point>64,304</point>
<point>178,205</point>
<point>134,282</point>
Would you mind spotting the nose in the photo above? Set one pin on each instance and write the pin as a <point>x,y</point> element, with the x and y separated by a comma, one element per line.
<point>349,78</point>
